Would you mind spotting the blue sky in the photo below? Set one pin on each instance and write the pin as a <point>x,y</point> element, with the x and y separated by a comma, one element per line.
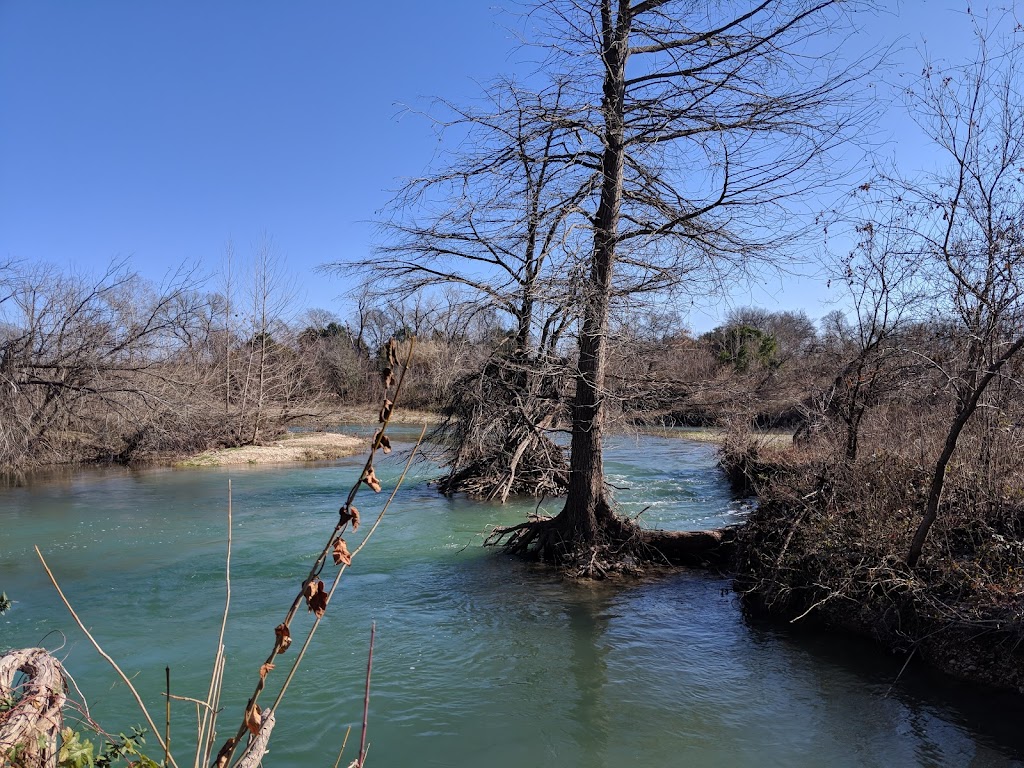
<point>159,131</point>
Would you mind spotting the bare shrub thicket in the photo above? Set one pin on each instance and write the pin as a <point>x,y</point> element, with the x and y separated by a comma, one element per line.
<point>112,368</point>
<point>907,520</point>
<point>96,366</point>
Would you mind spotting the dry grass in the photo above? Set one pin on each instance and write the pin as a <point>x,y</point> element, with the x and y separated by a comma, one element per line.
<point>719,435</point>
<point>316,446</point>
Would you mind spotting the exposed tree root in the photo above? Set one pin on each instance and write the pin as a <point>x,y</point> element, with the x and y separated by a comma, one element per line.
<point>621,546</point>
<point>695,549</point>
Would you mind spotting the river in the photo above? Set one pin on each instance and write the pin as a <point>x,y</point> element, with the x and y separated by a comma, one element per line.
<point>479,660</point>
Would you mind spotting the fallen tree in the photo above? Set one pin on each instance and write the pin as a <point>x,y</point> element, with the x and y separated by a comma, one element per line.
<point>496,431</point>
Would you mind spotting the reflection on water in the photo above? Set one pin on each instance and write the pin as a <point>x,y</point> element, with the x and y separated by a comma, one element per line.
<point>479,659</point>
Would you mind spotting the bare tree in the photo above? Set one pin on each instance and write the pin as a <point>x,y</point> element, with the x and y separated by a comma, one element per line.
<point>269,293</point>
<point>967,223</point>
<point>76,351</point>
<point>884,289</point>
<point>502,219</point>
<point>707,124</point>
<point>228,276</point>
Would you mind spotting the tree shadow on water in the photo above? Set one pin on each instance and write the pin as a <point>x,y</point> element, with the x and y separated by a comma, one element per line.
<point>588,622</point>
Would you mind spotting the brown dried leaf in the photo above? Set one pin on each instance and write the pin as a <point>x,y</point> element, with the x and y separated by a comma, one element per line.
<point>225,754</point>
<point>284,637</point>
<point>319,602</point>
<point>265,670</point>
<point>341,553</point>
<point>349,514</point>
<point>392,353</point>
<point>370,478</point>
<point>309,589</point>
<point>387,378</point>
<point>385,443</point>
<point>314,592</point>
<point>253,719</point>
<point>385,410</point>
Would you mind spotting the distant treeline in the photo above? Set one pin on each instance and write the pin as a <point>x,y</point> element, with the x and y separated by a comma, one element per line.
<point>113,368</point>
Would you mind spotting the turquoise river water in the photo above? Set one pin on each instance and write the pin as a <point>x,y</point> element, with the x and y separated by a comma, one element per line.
<point>479,660</point>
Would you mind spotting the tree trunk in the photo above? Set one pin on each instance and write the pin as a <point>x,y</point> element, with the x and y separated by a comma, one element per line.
<point>931,510</point>
<point>587,512</point>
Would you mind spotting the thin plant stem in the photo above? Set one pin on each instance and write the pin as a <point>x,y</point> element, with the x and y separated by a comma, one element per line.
<point>213,696</point>
<point>337,578</point>
<point>167,723</point>
<point>215,709</point>
<point>366,697</point>
<point>138,699</point>
<point>343,743</point>
<point>200,704</point>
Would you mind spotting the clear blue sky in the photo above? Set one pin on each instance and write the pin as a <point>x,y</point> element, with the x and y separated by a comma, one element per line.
<point>160,131</point>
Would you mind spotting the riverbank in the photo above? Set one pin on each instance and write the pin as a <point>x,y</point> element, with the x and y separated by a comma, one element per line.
<point>827,543</point>
<point>718,435</point>
<point>315,445</point>
<point>305,446</point>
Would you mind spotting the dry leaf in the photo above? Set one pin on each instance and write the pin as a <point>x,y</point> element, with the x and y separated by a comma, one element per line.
<point>309,589</point>
<point>392,353</point>
<point>349,514</point>
<point>284,637</point>
<point>385,410</point>
<point>253,719</point>
<point>265,670</point>
<point>319,602</point>
<point>315,595</point>
<point>341,553</point>
<point>225,754</point>
<point>370,478</point>
<point>385,443</point>
<point>387,377</point>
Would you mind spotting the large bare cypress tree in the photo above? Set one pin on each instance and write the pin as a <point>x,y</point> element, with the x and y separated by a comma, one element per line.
<point>670,144</point>
<point>710,124</point>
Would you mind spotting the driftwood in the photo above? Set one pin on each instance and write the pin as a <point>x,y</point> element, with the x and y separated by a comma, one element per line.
<point>258,747</point>
<point>29,729</point>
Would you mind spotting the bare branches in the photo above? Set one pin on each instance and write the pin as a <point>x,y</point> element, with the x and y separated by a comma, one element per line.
<point>959,232</point>
<point>502,214</point>
<point>74,347</point>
